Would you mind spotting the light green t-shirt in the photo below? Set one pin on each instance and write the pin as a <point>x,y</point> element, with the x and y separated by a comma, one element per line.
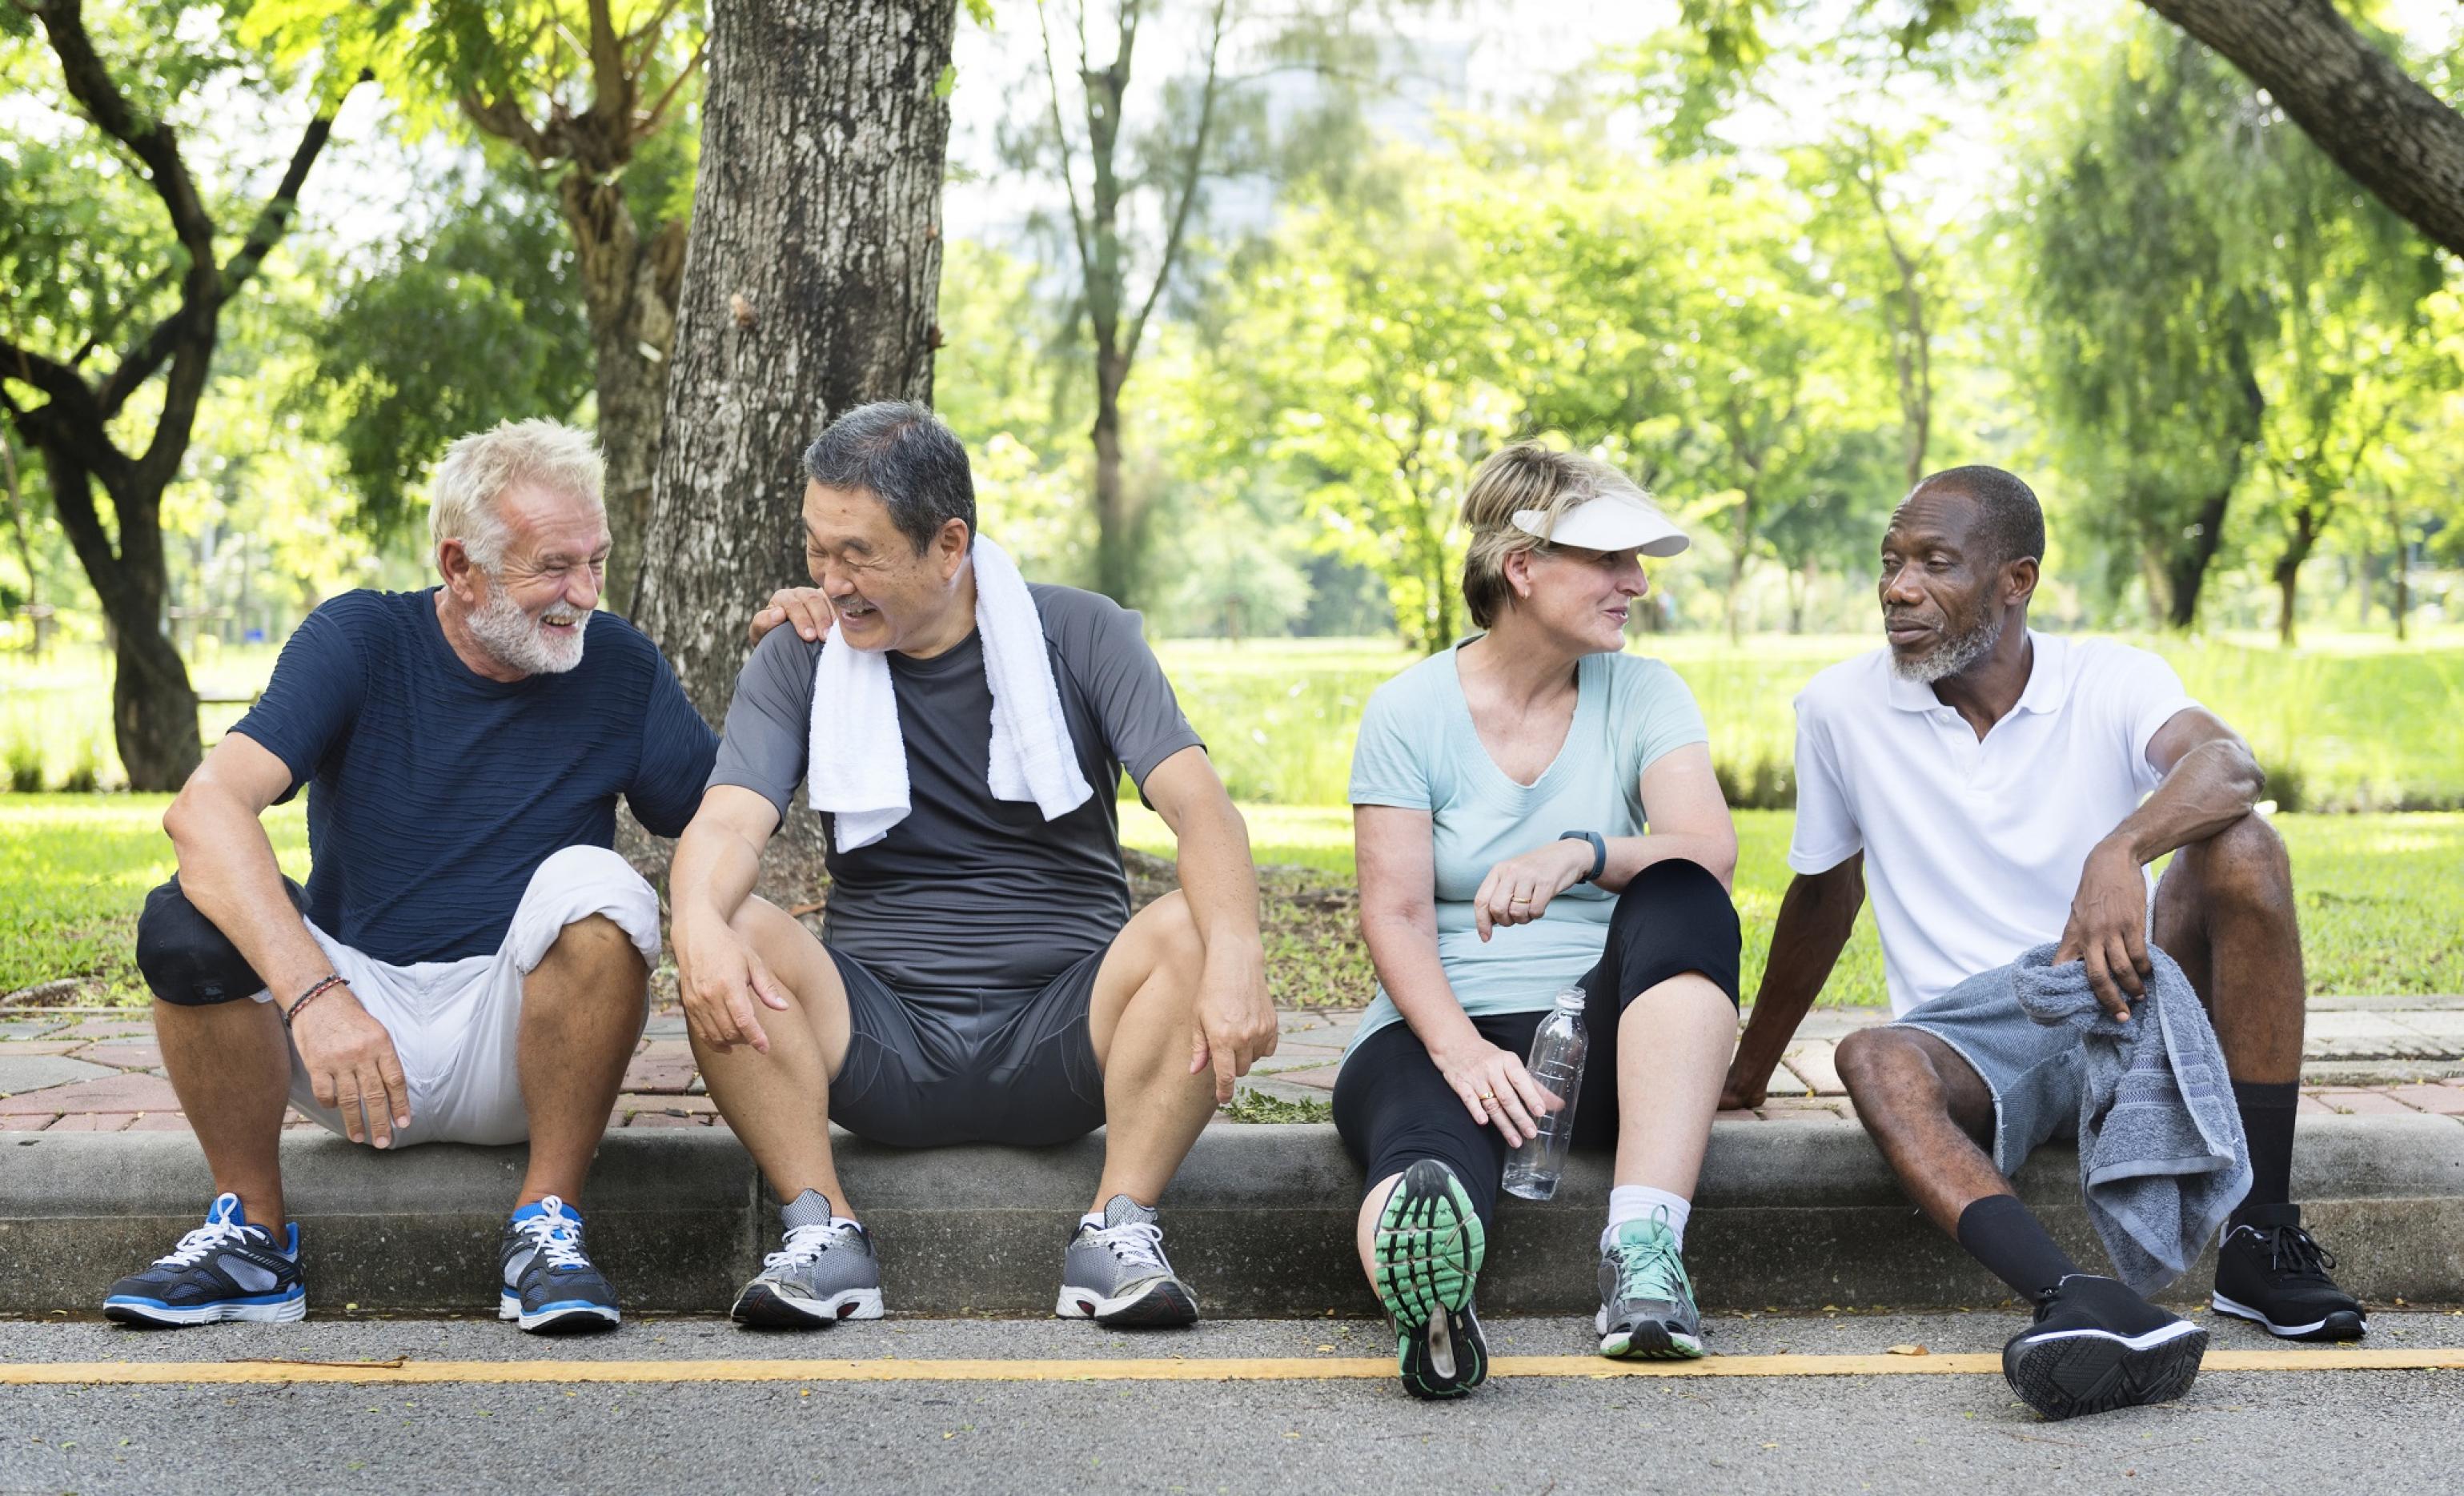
<point>1419,751</point>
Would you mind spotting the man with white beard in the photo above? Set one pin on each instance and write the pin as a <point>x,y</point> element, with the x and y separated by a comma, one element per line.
<point>470,959</point>
<point>2003,791</point>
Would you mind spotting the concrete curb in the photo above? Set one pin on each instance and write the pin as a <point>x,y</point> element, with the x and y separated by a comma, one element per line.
<point>1797,1216</point>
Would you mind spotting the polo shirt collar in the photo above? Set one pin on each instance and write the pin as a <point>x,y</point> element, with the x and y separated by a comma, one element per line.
<point>2044,693</point>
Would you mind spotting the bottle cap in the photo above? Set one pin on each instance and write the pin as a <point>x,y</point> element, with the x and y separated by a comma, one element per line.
<point>1573,1000</point>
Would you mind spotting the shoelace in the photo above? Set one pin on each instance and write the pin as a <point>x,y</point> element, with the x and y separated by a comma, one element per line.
<point>2293,1251</point>
<point>1652,1266</point>
<point>211,1236</point>
<point>806,1244</point>
<point>1136,1243</point>
<point>555,1234</point>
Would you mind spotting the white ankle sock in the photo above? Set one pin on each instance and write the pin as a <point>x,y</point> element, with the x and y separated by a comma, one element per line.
<point>1638,1202</point>
<point>1092,1217</point>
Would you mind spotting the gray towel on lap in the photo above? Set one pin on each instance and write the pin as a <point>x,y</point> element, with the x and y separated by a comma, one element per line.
<point>2162,1156</point>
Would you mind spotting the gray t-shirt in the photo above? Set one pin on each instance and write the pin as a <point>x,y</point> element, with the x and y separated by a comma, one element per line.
<point>971,893</point>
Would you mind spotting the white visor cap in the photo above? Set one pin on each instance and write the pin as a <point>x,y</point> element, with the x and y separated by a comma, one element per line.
<point>1609,522</point>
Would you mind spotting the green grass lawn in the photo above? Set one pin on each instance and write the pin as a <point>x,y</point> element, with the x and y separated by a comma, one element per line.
<point>2345,723</point>
<point>2382,895</point>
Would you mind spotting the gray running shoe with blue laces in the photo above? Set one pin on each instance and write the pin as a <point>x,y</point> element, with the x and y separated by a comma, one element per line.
<point>227,1268</point>
<point>550,1285</point>
<point>824,1272</point>
<point>1116,1274</point>
<point>1647,1301</point>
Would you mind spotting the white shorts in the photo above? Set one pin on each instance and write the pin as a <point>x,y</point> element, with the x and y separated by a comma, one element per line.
<point>454,1024</point>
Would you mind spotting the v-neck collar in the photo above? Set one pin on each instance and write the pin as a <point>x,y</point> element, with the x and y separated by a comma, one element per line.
<point>1586,704</point>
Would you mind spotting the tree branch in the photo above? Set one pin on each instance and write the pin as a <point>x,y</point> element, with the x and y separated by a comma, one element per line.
<point>1188,186</point>
<point>650,125</point>
<point>646,35</point>
<point>150,141</point>
<point>611,81</point>
<point>2364,111</point>
<point>504,120</point>
<point>1061,142</point>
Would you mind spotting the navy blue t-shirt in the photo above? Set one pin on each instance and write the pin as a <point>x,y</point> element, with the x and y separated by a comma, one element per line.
<point>435,792</point>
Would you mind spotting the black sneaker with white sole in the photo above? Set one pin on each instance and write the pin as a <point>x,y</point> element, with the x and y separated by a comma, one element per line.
<point>2096,1346</point>
<point>227,1268</point>
<point>2272,1272</point>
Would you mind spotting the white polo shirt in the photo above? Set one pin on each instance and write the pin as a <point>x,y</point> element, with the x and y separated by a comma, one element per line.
<point>1973,847</point>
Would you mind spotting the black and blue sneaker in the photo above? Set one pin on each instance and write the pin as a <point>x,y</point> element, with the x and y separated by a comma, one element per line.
<point>227,1268</point>
<point>550,1287</point>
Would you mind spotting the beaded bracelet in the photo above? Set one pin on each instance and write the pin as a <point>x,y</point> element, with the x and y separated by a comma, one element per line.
<point>315,990</point>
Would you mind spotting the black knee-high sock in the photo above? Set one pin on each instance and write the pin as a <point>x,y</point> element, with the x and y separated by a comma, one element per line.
<point>2007,1238</point>
<point>2267,1110</point>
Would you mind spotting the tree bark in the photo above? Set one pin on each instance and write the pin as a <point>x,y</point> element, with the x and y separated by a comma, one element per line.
<point>630,287</point>
<point>2366,112</point>
<point>811,283</point>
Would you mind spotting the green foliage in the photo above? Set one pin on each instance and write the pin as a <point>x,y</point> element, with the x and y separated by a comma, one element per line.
<point>2378,895</point>
<point>1250,1106</point>
<point>2148,344</point>
<point>453,330</point>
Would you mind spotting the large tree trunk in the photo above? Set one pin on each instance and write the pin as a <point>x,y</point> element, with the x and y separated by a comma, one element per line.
<point>153,707</point>
<point>2367,113</point>
<point>629,286</point>
<point>1116,547</point>
<point>2186,562</point>
<point>2288,574</point>
<point>810,285</point>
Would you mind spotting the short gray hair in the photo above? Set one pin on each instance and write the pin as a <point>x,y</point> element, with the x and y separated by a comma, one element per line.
<point>899,452</point>
<point>470,484</point>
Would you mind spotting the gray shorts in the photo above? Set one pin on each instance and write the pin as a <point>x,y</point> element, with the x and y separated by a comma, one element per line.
<point>927,1068</point>
<point>2032,1068</point>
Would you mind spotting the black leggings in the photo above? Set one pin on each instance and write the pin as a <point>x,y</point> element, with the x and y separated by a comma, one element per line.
<point>1393,1107</point>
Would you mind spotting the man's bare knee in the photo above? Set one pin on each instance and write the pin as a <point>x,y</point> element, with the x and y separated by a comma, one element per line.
<point>595,941</point>
<point>1871,1059</point>
<point>1180,950</point>
<point>2244,865</point>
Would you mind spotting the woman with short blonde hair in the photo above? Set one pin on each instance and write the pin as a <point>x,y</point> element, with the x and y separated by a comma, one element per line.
<point>1535,811</point>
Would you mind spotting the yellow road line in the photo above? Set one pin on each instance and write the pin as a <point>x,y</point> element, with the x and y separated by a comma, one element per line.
<point>1193,1369</point>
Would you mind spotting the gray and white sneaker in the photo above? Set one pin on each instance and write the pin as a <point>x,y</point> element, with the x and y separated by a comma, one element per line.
<point>823,1273</point>
<point>1647,1301</point>
<point>1116,1274</point>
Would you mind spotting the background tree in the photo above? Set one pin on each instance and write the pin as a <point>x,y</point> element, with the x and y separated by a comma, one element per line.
<point>2148,337</point>
<point>2349,284</point>
<point>90,271</point>
<point>465,321</point>
<point>809,289</point>
<point>597,98</point>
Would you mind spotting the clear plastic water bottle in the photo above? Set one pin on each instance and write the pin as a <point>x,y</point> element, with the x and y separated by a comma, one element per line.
<point>1557,1062</point>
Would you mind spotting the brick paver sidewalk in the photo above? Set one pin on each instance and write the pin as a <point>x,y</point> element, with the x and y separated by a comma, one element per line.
<point>88,1071</point>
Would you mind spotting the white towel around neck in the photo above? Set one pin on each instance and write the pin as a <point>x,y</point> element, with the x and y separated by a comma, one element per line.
<point>858,756</point>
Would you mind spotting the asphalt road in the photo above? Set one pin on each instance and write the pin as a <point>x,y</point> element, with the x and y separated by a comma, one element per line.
<point>2237,1432</point>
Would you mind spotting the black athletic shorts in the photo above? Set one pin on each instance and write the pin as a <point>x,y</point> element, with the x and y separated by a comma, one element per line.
<point>1393,1107</point>
<point>928,1068</point>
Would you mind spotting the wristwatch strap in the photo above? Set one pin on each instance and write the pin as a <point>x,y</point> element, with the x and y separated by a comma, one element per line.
<point>1599,851</point>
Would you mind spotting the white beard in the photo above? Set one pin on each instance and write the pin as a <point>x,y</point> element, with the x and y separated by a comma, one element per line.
<point>520,641</point>
<point>1952,655</point>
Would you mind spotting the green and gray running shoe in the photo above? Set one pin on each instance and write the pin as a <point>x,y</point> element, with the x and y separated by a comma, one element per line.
<point>1429,1244</point>
<point>1647,1301</point>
